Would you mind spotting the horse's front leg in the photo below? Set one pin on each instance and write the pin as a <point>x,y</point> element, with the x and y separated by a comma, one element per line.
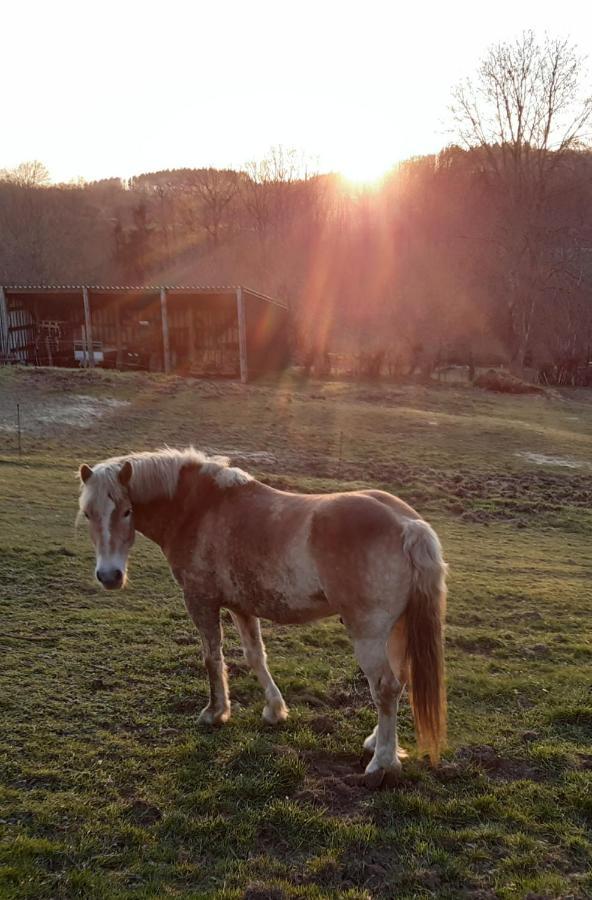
<point>207,620</point>
<point>249,628</point>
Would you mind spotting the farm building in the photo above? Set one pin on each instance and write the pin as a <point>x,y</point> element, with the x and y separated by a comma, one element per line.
<point>227,331</point>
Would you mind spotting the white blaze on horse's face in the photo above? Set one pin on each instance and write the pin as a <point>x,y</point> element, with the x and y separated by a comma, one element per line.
<point>105,502</point>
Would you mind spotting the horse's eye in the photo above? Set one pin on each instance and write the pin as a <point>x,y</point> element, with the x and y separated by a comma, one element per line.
<point>86,515</point>
<point>126,513</point>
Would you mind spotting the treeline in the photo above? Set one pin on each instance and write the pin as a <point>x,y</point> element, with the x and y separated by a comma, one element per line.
<point>481,254</point>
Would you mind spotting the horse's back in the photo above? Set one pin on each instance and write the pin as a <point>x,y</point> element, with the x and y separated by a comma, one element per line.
<point>394,503</point>
<point>359,517</point>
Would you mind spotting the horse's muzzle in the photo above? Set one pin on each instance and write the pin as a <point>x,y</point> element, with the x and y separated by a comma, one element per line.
<point>111,579</point>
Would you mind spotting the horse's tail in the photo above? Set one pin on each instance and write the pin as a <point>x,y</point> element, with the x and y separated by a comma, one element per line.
<point>424,627</point>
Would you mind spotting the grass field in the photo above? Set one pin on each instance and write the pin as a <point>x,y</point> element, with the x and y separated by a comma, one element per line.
<point>109,789</point>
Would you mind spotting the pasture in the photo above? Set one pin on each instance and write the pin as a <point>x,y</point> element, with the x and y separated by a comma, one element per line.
<point>109,789</point>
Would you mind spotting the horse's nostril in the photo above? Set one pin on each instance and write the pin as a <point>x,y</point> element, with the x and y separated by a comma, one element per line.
<point>110,577</point>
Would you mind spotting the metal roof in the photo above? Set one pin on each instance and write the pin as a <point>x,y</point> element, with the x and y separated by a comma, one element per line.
<point>146,288</point>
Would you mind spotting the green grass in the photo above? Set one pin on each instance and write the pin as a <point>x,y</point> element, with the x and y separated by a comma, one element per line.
<point>109,789</point>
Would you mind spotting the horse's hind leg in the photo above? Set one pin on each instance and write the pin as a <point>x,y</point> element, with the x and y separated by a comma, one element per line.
<point>249,628</point>
<point>386,690</point>
<point>397,643</point>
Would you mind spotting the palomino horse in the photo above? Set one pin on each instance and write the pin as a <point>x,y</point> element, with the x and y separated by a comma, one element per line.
<point>233,542</point>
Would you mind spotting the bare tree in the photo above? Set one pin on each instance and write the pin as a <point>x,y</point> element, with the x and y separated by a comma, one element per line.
<point>27,174</point>
<point>215,190</point>
<point>271,189</point>
<point>524,114</point>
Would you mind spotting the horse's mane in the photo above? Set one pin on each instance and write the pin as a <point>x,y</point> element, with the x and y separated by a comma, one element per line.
<point>156,474</point>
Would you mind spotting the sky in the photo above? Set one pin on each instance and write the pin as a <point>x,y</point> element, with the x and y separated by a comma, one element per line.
<point>105,89</point>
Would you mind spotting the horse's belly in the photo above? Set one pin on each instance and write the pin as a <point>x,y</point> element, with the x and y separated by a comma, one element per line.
<point>288,609</point>
<point>281,596</point>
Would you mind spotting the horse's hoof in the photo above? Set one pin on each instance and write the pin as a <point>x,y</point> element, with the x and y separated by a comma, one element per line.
<point>274,713</point>
<point>210,716</point>
<point>373,780</point>
<point>379,771</point>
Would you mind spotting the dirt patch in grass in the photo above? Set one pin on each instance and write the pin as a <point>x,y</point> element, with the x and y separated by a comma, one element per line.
<point>43,416</point>
<point>543,459</point>
<point>484,646</point>
<point>334,782</point>
<point>519,497</point>
<point>262,892</point>
<point>322,725</point>
<point>185,706</point>
<point>499,767</point>
<point>142,813</point>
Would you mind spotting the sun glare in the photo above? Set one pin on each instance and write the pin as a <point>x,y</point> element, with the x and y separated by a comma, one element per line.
<point>364,171</point>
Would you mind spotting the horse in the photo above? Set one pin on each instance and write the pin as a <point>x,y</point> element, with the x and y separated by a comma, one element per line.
<point>233,542</point>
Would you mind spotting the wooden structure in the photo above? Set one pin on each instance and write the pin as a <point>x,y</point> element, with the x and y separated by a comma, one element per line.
<point>227,331</point>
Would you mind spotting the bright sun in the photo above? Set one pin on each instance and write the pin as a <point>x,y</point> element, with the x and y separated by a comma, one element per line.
<point>364,169</point>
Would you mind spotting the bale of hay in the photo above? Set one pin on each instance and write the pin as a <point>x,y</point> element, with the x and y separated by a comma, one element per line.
<point>505,383</point>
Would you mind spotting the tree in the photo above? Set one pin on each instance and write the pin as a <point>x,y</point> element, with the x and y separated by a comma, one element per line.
<point>524,114</point>
<point>271,189</point>
<point>27,174</point>
<point>215,191</point>
<point>134,253</point>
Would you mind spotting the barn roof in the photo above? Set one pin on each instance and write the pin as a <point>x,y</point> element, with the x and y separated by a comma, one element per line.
<point>144,289</point>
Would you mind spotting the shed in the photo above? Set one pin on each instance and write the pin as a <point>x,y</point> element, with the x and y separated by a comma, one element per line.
<point>228,330</point>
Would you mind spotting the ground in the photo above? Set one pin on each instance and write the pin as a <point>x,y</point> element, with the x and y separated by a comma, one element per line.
<point>109,789</point>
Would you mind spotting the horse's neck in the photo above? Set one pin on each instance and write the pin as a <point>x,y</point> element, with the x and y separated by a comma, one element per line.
<point>152,518</point>
<point>160,519</point>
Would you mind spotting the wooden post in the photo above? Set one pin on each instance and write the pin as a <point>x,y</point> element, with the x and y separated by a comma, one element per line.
<point>191,333</point>
<point>165,331</point>
<point>48,348</point>
<point>3,325</point>
<point>242,335</point>
<point>118,344</point>
<point>90,353</point>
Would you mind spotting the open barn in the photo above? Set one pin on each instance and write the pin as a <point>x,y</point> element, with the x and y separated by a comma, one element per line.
<point>230,331</point>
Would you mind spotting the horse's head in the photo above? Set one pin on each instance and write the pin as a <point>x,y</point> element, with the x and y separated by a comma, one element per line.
<point>105,502</point>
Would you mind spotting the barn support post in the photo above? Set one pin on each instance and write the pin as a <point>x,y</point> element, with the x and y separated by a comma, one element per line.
<point>166,345</point>
<point>118,343</point>
<point>90,353</point>
<point>242,335</point>
<point>3,325</point>
<point>191,336</point>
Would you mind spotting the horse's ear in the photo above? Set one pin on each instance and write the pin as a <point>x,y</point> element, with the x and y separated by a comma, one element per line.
<point>85,473</point>
<point>125,473</point>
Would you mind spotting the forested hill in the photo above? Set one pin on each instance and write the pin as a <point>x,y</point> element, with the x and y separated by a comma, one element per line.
<point>456,250</point>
